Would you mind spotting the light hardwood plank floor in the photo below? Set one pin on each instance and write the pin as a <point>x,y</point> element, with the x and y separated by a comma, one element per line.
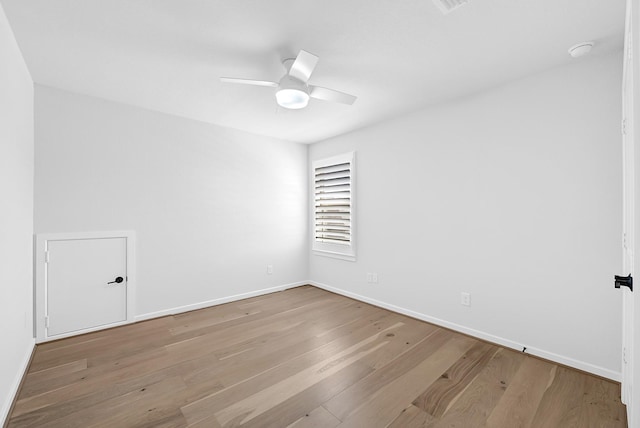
<point>302,358</point>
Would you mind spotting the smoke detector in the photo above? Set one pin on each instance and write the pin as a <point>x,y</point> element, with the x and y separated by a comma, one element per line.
<point>448,6</point>
<point>580,49</point>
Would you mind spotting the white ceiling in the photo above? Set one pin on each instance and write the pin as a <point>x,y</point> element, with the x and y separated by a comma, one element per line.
<point>395,55</point>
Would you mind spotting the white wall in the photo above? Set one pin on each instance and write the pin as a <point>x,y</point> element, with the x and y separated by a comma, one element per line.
<point>16,215</point>
<point>212,207</point>
<point>513,195</point>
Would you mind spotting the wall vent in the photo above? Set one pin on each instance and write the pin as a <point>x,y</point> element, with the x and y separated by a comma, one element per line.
<point>447,6</point>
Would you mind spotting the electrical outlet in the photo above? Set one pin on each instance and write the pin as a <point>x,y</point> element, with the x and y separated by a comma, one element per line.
<point>374,277</point>
<point>465,299</point>
<point>269,269</point>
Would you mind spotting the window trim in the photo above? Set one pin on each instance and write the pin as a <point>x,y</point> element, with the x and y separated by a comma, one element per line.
<point>336,251</point>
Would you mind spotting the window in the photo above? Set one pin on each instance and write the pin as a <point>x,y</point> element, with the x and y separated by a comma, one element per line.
<point>333,181</point>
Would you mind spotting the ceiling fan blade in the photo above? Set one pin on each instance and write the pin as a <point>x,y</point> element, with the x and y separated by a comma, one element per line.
<point>303,66</point>
<point>249,82</point>
<point>326,94</point>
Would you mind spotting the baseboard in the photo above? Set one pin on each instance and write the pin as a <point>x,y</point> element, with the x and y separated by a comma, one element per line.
<point>214,302</point>
<point>541,353</point>
<point>17,382</point>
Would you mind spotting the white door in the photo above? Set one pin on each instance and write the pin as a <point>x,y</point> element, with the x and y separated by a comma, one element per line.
<point>628,239</point>
<point>84,282</point>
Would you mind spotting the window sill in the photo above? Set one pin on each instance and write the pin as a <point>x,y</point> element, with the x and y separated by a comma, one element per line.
<point>334,255</point>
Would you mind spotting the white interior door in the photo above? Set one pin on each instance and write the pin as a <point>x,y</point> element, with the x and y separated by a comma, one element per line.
<point>77,289</point>
<point>628,240</point>
<point>86,284</point>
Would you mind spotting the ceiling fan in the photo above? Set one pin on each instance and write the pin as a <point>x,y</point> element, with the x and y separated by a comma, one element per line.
<point>293,91</point>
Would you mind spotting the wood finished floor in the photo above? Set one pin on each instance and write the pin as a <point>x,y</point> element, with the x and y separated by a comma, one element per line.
<point>301,358</point>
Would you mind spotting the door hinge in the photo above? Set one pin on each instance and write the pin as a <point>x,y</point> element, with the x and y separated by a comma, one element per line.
<point>46,322</point>
<point>623,127</point>
<point>624,355</point>
<point>46,257</point>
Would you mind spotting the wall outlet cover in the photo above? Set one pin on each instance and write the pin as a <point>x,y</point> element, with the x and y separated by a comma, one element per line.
<point>465,299</point>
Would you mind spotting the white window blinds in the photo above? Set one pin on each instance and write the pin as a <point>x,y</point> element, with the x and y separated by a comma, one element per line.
<point>333,204</point>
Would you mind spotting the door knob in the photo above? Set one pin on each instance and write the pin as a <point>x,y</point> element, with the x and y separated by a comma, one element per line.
<point>623,281</point>
<point>118,280</point>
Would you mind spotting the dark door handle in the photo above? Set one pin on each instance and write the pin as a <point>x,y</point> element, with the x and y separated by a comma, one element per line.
<point>623,281</point>
<point>118,280</point>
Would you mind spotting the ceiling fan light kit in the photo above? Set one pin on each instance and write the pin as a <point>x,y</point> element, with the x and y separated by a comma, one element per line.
<point>293,92</point>
<point>293,99</point>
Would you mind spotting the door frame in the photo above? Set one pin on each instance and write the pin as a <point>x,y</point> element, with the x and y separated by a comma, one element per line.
<point>40,275</point>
